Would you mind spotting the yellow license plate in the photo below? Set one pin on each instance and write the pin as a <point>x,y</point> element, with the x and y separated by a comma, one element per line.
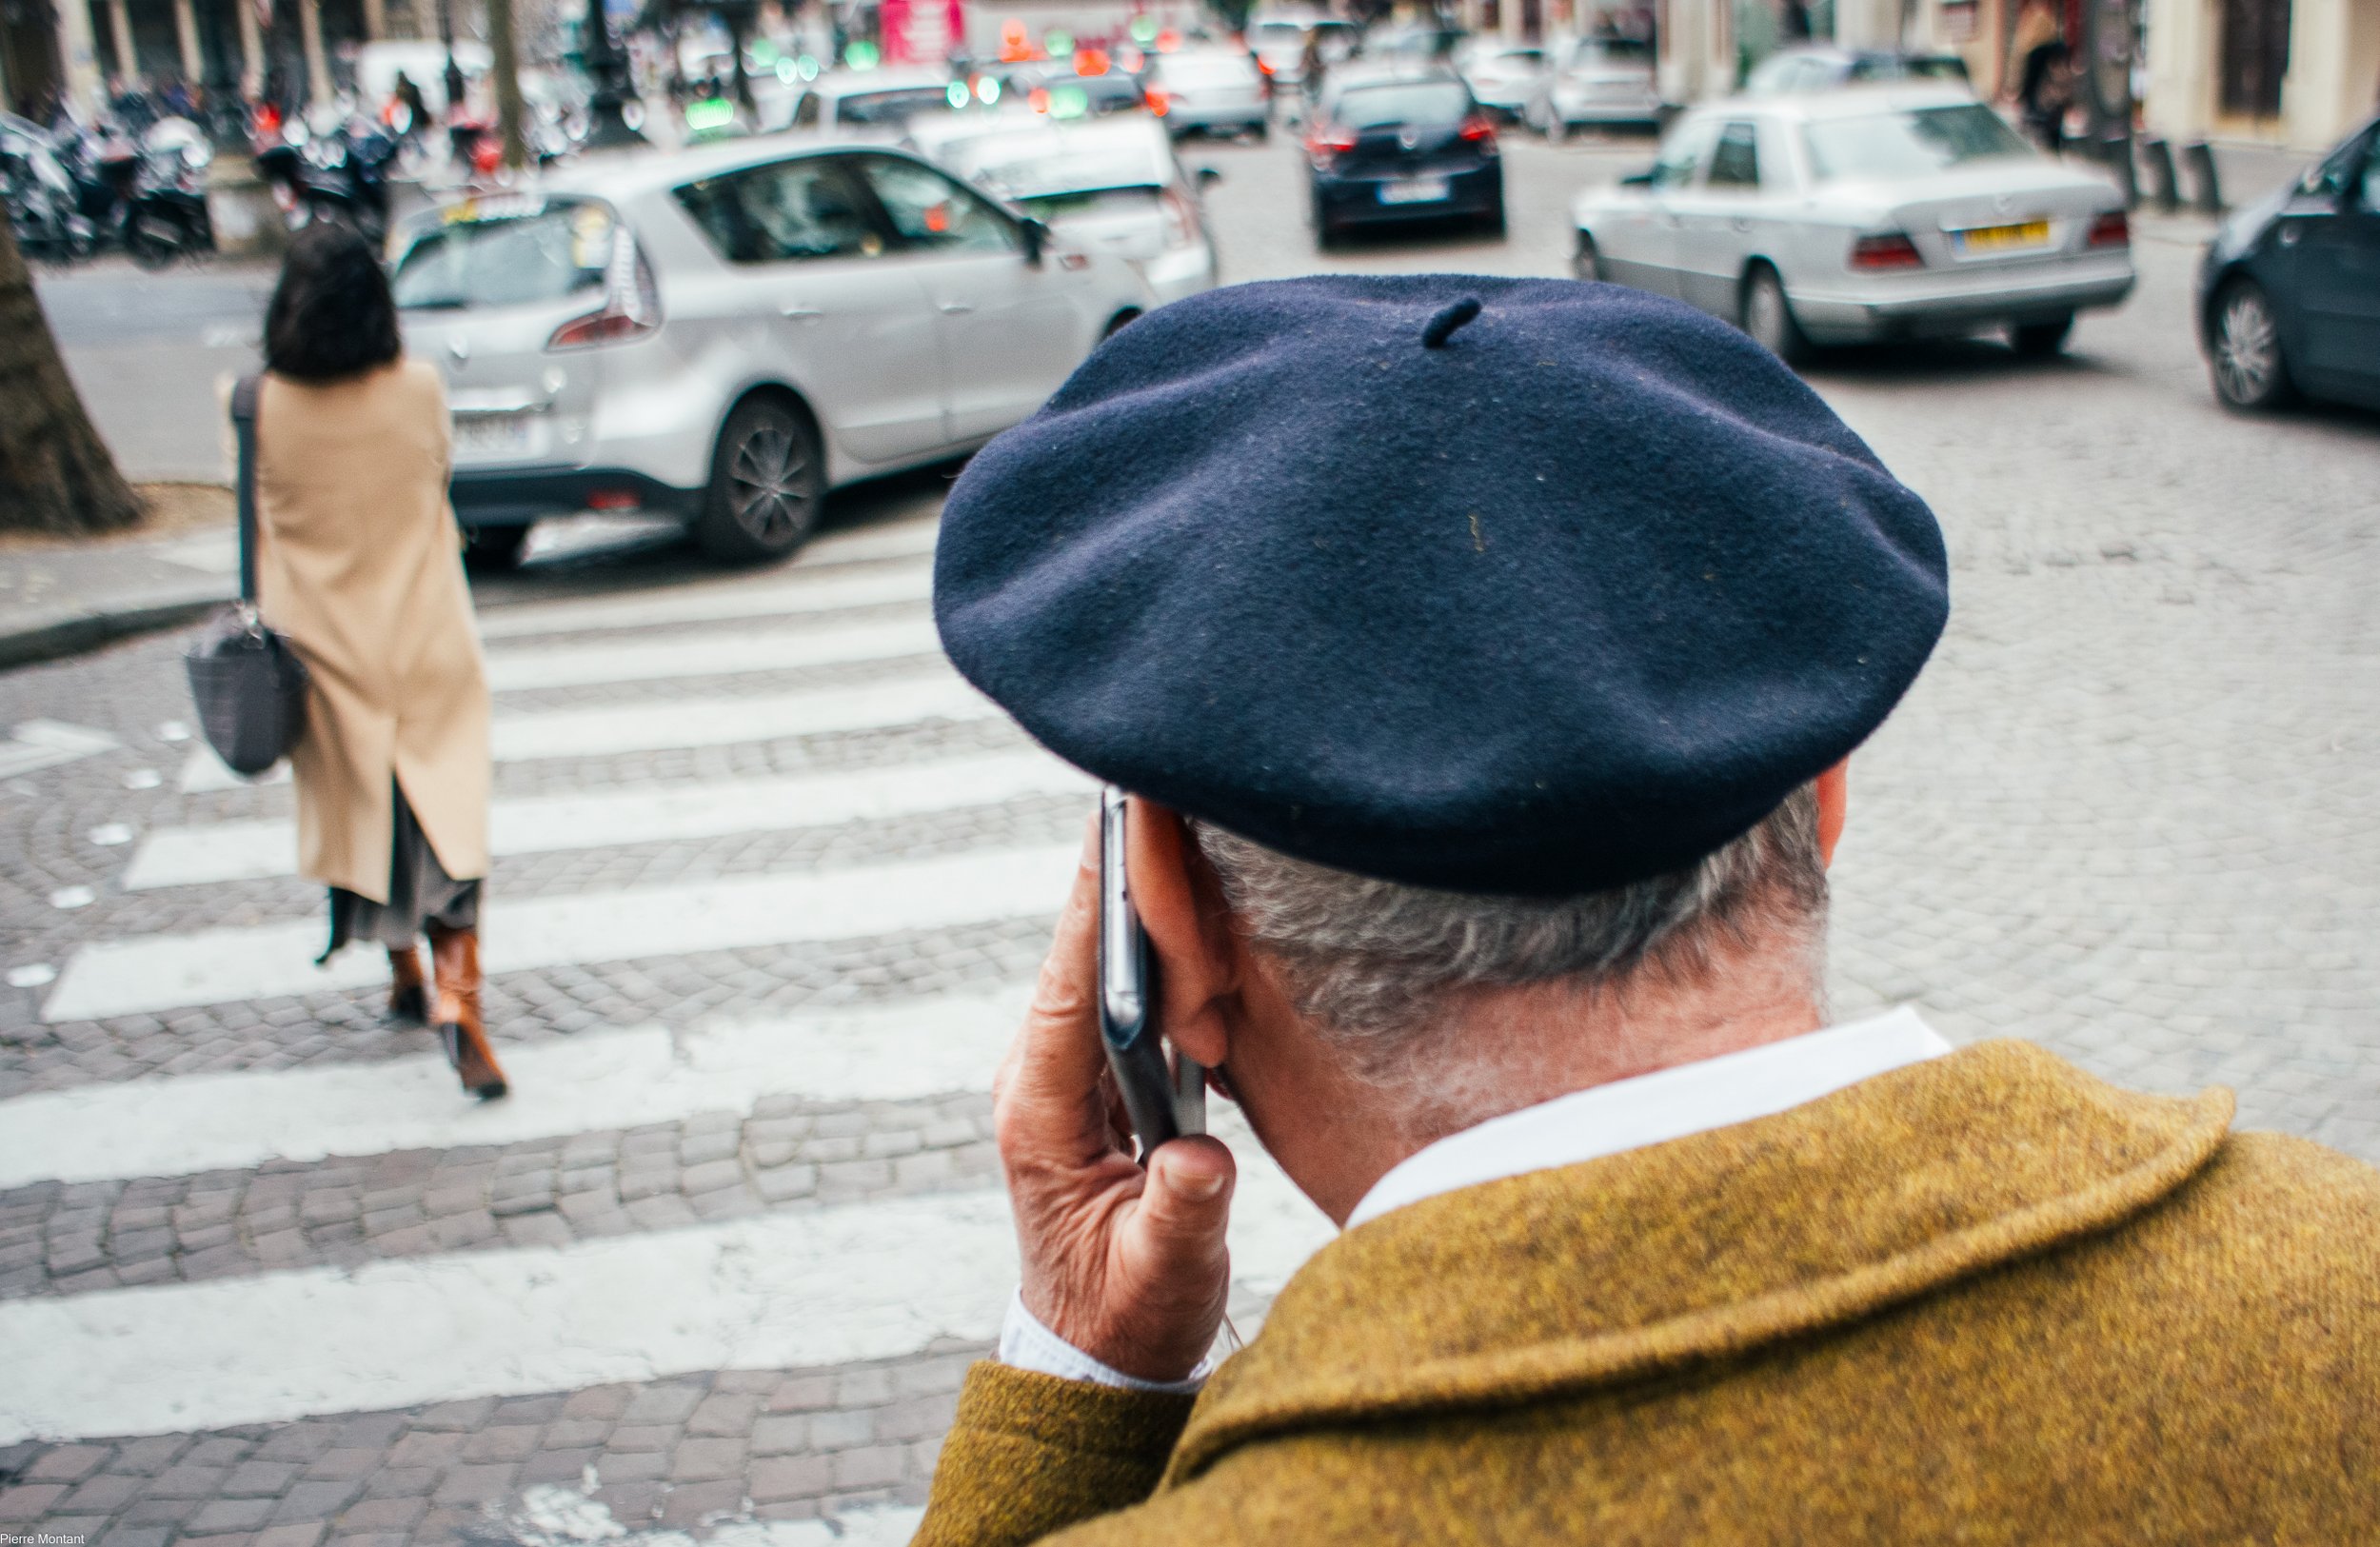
<point>2032,233</point>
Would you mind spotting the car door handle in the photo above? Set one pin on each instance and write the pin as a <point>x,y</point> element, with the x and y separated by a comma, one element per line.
<point>804,314</point>
<point>2290,235</point>
<point>956,308</point>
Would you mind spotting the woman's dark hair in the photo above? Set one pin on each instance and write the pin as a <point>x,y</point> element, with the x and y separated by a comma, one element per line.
<point>332,315</point>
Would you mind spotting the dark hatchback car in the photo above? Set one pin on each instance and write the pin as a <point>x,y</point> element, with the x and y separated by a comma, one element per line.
<point>2288,296</point>
<point>1394,147</point>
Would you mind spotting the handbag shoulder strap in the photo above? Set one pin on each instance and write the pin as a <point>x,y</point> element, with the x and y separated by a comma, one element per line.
<point>244,426</point>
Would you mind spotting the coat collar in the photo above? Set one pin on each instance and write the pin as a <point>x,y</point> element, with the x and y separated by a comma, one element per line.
<point>1560,1282</point>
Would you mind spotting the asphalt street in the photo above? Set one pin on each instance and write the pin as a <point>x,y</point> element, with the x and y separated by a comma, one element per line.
<point>769,883</point>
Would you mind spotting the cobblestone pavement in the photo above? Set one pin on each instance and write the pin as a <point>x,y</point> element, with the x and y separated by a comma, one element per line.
<point>2131,811</point>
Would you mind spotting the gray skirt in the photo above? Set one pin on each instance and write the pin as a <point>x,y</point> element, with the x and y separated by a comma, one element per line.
<point>419,894</point>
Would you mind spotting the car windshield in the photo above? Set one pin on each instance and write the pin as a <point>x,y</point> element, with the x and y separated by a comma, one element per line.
<point>891,106</point>
<point>1914,144</point>
<point>1597,52</point>
<point>1092,202</point>
<point>486,254</point>
<point>1033,171</point>
<point>1417,101</point>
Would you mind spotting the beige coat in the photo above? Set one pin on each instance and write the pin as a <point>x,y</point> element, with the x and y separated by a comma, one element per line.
<point>360,564</point>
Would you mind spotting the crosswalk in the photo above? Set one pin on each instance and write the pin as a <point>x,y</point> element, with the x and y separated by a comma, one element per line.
<point>808,1284</point>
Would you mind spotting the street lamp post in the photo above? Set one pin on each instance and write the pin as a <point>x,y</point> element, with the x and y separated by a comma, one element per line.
<point>608,72</point>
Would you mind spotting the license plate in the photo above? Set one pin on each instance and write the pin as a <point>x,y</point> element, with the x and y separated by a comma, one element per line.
<point>491,434</point>
<point>1414,190</point>
<point>2030,233</point>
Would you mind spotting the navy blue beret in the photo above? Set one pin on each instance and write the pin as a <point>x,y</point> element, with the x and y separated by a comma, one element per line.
<point>1519,586</point>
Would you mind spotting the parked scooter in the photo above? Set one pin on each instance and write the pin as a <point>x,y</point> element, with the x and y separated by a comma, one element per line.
<point>336,169</point>
<point>42,210</point>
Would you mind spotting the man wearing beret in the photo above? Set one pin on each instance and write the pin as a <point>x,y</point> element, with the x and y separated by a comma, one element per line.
<point>1482,656</point>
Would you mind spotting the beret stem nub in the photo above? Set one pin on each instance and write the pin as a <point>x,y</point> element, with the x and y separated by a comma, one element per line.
<point>1441,326</point>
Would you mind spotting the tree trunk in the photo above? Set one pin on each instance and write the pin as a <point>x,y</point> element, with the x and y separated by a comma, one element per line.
<point>504,66</point>
<point>56,472</point>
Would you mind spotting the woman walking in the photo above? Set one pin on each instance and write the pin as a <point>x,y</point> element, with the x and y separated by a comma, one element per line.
<point>360,564</point>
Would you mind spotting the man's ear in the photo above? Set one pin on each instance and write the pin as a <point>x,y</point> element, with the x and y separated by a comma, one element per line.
<point>1833,788</point>
<point>1188,931</point>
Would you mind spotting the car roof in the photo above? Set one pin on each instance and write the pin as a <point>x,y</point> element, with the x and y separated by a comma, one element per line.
<point>626,174</point>
<point>1856,100</point>
<point>1102,148</point>
<point>851,83</point>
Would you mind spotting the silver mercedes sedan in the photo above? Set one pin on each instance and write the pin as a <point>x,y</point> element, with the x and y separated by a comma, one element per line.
<point>1873,213</point>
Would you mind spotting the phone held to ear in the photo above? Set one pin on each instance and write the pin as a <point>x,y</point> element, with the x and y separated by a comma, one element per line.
<point>1165,1096</point>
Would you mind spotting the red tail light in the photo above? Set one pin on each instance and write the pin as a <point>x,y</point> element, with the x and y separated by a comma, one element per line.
<point>1158,102</point>
<point>1326,141</point>
<point>2113,229</point>
<point>631,306</point>
<point>1477,127</point>
<point>1038,99</point>
<point>1891,250</point>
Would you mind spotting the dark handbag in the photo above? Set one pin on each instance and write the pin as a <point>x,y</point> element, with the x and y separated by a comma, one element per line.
<point>248,684</point>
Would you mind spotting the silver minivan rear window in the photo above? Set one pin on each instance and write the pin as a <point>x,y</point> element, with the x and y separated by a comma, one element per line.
<point>505,253</point>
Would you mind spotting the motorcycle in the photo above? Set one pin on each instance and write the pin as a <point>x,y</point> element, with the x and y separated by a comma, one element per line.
<point>166,214</point>
<point>43,208</point>
<point>336,169</point>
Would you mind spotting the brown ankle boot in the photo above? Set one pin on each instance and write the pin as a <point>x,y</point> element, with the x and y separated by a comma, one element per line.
<point>408,998</point>
<point>454,955</point>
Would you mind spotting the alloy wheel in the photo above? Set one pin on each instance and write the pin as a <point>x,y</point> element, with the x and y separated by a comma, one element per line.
<point>768,485</point>
<point>2247,348</point>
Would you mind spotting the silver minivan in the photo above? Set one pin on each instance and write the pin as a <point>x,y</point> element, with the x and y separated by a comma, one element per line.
<point>723,334</point>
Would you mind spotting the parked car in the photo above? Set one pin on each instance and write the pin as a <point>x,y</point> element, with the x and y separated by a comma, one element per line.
<point>1597,81</point>
<point>1110,186</point>
<point>1502,76</point>
<point>1062,94</point>
<point>726,333</point>
<point>1882,213</point>
<point>1391,147</point>
<point>869,103</point>
<point>1214,90</point>
<point>1825,68</point>
<point>1277,39</point>
<point>2289,293</point>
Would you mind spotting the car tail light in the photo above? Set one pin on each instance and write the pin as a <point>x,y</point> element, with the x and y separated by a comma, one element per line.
<point>1326,141</point>
<point>613,499</point>
<point>1159,101</point>
<point>1890,250</point>
<point>1477,127</point>
<point>1038,99</point>
<point>631,306</point>
<point>1181,220</point>
<point>2113,229</point>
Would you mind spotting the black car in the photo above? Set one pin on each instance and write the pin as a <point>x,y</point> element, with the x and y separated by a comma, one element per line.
<point>2288,296</point>
<point>1394,147</point>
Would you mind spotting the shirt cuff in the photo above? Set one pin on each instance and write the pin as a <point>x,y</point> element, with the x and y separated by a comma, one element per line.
<point>1026,1344</point>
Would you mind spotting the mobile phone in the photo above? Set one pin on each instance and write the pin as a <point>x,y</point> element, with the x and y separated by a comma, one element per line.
<point>1164,1093</point>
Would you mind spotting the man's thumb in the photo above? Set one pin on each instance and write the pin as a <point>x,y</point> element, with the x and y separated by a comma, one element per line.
<point>1187,1202</point>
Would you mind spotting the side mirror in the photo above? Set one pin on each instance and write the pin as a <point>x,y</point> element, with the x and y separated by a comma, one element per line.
<point>1037,240</point>
<point>1209,176</point>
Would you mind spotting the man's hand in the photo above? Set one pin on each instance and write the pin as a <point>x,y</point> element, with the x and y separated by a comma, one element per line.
<point>1128,1265</point>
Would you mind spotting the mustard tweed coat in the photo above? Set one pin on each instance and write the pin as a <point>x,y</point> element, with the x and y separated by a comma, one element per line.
<point>1985,1298</point>
<point>359,562</point>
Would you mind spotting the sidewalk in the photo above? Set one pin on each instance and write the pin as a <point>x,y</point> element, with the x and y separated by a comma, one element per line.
<point>63,599</point>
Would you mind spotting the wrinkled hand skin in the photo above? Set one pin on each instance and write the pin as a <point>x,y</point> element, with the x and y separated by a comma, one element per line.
<point>1127,1264</point>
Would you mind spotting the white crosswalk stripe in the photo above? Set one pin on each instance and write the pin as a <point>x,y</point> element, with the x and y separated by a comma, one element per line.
<point>615,730</point>
<point>719,602</point>
<point>211,967</point>
<point>653,659</point>
<point>547,823</point>
<point>621,1079</point>
<point>816,1286</point>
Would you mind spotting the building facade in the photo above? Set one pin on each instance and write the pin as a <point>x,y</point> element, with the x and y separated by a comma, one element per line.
<point>2295,73</point>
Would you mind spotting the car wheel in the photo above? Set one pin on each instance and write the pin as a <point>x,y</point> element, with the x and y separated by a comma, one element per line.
<point>767,478</point>
<point>1768,316</point>
<point>494,550</point>
<point>2038,341</point>
<point>1586,262</point>
<point>2250,371</point>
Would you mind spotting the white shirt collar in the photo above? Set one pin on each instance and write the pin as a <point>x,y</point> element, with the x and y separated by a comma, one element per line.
<point>1657,1107</point>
